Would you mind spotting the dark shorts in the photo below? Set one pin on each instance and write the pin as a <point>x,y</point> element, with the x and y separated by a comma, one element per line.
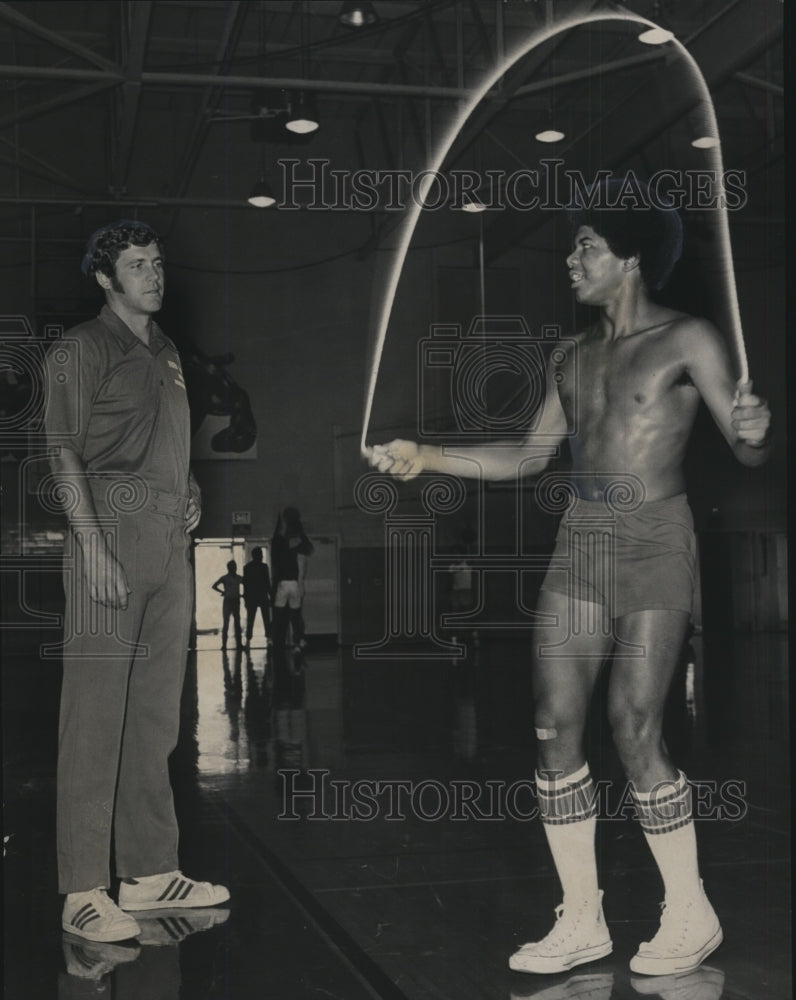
<point>636,561</point>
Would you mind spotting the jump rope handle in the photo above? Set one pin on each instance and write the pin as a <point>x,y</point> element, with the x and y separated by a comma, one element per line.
<point>743,387</point>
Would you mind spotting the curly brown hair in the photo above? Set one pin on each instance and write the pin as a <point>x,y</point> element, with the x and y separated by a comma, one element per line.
<point>106,244</point>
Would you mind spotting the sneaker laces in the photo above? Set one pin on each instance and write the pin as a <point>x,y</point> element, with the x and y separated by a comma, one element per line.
<point>563,931</point>
<point>101,902</point>
<point>673,928</point>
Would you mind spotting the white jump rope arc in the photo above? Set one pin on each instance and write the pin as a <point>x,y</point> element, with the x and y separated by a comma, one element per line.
<point>413,214</point>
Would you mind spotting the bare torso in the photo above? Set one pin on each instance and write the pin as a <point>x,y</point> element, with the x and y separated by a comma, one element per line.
<point>630,406</point>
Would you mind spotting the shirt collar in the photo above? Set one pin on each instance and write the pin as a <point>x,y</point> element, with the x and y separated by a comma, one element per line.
<point>127,339</point>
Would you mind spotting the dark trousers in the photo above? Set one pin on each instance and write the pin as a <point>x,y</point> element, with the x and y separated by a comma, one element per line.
<point>231,608</point>
<point>252,607</point>
<point>120,708</point>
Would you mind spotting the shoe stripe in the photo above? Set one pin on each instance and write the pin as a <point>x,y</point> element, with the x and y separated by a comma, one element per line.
<point>173,933</point>
<point>188,891</point>
<point>166,891</point>
<point>84,958</point>
<point>178,890</point>
<point>86,919</point>
<point>85,908</point>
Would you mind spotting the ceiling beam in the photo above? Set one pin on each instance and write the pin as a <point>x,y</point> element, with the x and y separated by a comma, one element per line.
<point>130,93</point>
<point>151,201</point>
<point>242,82</point>
<point>38,167</point>
<point>480,28</point>
<point>230,35</point>
<point>61,100</point>
<point>436,45</point>
<point>12,16</point>
<point>758,84</point>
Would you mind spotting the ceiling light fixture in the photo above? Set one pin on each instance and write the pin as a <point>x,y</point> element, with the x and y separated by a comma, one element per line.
<point>551,133</point>
<point>262,195</point>
<point>705,142</point>
<point>357,14</point>
<point>471,203</point>
<point>303,114</point>
<point>656,36</point>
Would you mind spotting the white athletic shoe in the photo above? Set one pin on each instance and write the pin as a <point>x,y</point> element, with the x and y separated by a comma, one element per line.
<point>169,890</point>
<point>169,927</point>
<point>581,986</point>
<point>579,936</point>
<point>94,916</point>
<point>704,983</point>
<point>689,932</point>
<point>94,959</point>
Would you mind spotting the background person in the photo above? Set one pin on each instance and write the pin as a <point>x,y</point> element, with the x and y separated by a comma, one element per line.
<point>257,594</point>
<point>229,585</point>
<point>290,553</point>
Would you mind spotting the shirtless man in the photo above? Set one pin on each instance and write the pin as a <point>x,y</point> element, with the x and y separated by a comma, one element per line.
<point>641,372</point>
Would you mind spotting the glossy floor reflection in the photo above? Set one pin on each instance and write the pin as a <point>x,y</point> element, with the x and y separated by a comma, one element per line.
<point>373,820</point>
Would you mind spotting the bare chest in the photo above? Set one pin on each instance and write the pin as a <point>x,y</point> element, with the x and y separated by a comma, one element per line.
<point>640,376</point>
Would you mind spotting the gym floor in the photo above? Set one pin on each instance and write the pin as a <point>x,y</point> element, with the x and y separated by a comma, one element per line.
<point>374,822</point>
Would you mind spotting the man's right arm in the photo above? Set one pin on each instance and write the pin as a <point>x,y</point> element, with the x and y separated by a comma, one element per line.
<point>495,461</point>
<point>105,577</point>
<point>72,373</point>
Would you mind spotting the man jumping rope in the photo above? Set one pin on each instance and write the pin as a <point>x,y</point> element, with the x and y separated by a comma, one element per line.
<point>625,395</point>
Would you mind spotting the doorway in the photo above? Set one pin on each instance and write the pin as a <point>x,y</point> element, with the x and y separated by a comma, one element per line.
<point>211,556</point>
<point>321,606</point>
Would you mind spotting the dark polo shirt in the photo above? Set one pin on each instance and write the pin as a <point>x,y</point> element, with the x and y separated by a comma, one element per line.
<point>119,404</point>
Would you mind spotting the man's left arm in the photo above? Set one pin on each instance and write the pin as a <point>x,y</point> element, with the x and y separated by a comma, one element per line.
<point>193,511</point>
<point>742,417</point>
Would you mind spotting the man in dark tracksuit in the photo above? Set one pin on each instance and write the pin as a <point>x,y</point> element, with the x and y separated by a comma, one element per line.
<point>118,429</point>
<point>257,594</point>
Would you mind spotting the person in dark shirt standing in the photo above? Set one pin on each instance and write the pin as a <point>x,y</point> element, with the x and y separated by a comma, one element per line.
<point>118,432</point>
<point>257,594</point>
<point>290,552</point>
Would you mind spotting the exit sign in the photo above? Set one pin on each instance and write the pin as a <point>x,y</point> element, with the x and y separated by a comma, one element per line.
<point>241,518</point>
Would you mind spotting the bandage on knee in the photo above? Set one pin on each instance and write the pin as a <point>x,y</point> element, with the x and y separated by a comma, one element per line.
<point>546,734</point>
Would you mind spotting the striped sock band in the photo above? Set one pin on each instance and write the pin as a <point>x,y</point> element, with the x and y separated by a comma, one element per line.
<point>667,807</point>
<point>565,800</point>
